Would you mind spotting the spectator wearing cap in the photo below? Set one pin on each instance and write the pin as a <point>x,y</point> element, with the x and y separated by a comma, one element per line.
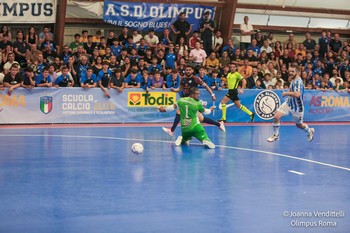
<point>89,79</point>
<point>207,27</point>
<point>118,81</point>
<point>181,27</point>
<point>133,79</point>
<point>151,40</point>
<point>74,45</point>
<point>13,80</point>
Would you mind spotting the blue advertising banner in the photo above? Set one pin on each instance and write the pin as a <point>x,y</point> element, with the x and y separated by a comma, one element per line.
<point>157,16</point>
<point>77,105</point>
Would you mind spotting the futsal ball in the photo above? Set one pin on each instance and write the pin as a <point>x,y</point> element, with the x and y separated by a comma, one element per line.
<point>137,148</point>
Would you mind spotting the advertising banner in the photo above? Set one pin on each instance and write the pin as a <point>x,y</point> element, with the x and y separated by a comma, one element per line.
<point>28,11</point>
<point>157,16</point>
<point>77,105</point>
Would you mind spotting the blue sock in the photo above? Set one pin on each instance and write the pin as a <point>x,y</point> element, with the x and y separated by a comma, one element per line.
<point>210,121</point>
<point>176,122</point>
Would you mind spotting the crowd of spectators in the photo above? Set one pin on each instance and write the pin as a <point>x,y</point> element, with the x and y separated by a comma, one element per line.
<point>133,60</point>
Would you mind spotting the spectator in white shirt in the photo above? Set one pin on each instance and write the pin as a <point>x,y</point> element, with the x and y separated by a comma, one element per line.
<point>198,55</point>
<point>151,40</point>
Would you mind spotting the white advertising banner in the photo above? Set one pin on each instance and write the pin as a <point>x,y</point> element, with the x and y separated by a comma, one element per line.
<point>28,11</point>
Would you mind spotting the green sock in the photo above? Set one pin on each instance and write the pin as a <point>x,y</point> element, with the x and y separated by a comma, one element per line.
<point>223,109</point>
<point>246,110</point>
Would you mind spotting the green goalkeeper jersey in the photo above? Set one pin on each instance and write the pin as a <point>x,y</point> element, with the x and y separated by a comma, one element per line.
<point>189,108</point>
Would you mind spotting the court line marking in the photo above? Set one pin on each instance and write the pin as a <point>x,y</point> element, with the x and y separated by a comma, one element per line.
<point>296,172</point>
<point>160,141</point>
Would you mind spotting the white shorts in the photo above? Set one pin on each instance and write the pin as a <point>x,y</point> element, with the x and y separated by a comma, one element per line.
<point>297,116</point>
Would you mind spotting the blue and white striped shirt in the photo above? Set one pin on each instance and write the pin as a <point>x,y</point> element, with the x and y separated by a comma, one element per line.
<point>296,104</point>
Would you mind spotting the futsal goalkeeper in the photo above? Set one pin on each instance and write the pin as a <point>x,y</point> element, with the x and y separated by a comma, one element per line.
<point>190,125</point>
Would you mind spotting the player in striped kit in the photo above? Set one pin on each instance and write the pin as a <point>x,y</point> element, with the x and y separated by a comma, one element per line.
<point>294,104</point>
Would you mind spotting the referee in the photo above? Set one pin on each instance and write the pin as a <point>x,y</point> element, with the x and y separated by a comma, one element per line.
<point>233,80</point>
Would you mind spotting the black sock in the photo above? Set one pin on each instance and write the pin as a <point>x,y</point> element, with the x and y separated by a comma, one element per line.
<point>176,122</point>
<point>210,121</point>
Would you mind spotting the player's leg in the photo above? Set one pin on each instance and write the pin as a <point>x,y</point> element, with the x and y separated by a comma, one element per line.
<point>244,109</point>
<point>201,135</point>
<point>175,123</point>
<point>281,111</point>
<point>298,118</point>
<point>223,102</point>
<point>183,139</point>
<point>210,121</point>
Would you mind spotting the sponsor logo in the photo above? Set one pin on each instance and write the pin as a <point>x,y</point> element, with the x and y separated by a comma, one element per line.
<point>151,99</point>
<point>46,104</point>
<point>266,103</point>
<point>12,101</point>
<point>327,104</point>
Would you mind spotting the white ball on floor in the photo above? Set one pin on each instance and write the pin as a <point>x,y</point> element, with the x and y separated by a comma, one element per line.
<point>137,148</point>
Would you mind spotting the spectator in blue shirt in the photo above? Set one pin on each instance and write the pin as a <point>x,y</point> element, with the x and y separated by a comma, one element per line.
<point>154,66</point>
<point>104,78</point>
<point>64,79</point>
<point>173,79</point>
<point>213,81</point>
<point>44,79</point>
<point>145,82</point>
<point>170,58</point>
<point>89,79</point>
<point>133,79</point>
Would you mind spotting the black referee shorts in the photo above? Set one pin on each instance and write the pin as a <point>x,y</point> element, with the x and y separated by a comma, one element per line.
<point>233,94</point>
